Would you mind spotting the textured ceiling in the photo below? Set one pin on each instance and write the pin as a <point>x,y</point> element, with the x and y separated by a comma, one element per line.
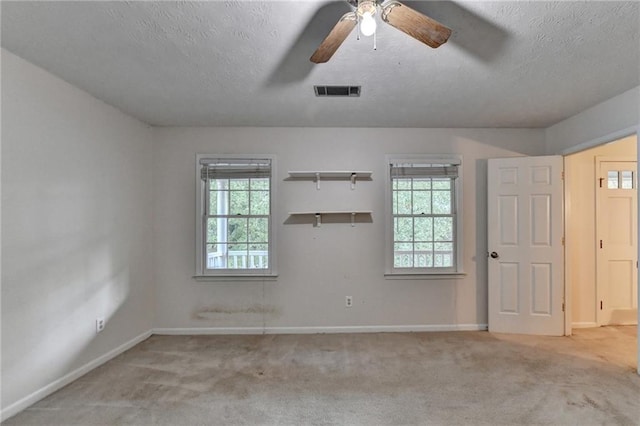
<point>246,63</point>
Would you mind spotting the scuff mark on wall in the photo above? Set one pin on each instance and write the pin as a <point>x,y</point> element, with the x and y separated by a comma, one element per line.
<point>220,311</point>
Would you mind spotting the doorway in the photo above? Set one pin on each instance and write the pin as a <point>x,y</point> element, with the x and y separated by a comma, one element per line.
<point>582,238</point>
<point>617,241</point>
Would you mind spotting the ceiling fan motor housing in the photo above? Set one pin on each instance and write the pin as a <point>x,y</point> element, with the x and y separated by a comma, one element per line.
<point>365,6</point>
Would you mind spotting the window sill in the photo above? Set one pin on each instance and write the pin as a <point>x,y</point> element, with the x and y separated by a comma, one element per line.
<point>235,277</point>
<point>420,276</point>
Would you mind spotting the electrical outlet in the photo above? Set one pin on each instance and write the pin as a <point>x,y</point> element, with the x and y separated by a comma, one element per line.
<point>99,324</point>
<point>348,301</point>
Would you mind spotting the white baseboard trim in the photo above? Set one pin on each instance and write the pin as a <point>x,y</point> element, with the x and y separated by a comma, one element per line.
<point>36,396</point>
<point>588,324</point>
<point>319,330</point>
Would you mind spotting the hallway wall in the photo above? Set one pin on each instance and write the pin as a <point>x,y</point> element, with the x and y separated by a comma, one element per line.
<point>580,204</point>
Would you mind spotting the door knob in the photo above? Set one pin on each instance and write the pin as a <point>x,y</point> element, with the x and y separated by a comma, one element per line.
<point>494,255</point>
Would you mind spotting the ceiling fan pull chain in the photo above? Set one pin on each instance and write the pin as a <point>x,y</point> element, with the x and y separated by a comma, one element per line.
<point>375,46</point>
<point>357,27</point>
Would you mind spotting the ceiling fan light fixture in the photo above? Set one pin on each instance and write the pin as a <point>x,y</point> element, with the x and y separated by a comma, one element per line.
<point>366,13</point>
<point>367,24</point>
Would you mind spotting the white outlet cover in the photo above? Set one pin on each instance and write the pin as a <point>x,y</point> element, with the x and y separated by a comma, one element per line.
<point>99,324</point>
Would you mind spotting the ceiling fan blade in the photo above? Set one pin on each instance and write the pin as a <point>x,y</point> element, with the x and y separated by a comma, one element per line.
<point>338,34</point>
<point>421,27</point>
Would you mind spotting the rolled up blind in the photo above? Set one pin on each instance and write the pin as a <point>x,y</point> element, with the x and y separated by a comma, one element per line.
<point>230,168</point>
<point>407,170</point>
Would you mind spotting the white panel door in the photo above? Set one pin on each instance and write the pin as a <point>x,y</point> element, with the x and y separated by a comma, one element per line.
<point>526,256</point>
<point>616,227</point>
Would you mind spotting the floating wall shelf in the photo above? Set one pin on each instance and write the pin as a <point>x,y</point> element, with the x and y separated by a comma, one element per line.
<point>317,176</point>
<point>318,215</point>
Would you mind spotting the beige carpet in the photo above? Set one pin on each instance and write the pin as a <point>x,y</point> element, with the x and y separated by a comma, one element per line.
<point>460,378</point>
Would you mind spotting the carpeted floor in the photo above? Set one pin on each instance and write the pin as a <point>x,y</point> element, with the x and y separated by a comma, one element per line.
<point>459,378</point>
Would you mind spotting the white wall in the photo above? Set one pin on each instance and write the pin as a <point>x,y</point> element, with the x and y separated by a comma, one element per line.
<point>318,267</point>
<point>76,231</point>
<point>580,202</point>
<point>609,120</point>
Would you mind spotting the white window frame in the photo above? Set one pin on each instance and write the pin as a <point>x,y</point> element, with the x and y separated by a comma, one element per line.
<point>205,274</point>
<point>457,270</point>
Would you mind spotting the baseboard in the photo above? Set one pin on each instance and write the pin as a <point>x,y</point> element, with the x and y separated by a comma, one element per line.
<point>319,330</point>
<point>589,324</point>
<point>36,396</point>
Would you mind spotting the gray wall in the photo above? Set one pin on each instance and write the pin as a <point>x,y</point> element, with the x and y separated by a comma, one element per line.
<point>76,230</point>
<point>318,267</point>
<point>607,121</point>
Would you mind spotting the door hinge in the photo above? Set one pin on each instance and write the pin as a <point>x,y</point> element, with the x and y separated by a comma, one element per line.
<point>562,240</point>
<point>601,179</point>
<point>600,243</point>
<point>562,175</point>
<point>562,306</point>
<point>601,305</point>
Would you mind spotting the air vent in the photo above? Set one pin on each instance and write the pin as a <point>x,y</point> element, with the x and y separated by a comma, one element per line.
<point>348,91</point>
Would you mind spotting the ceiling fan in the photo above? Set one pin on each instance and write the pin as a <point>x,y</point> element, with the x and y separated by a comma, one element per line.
<point>415,24</point>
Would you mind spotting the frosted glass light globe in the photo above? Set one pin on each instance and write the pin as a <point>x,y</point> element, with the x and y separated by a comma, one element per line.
<point>368,24</point>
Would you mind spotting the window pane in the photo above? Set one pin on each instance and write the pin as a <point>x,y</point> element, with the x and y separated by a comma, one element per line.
<point>214,257</point>
<point>403,260</point>
<point>258,260</point>
<point>403,231</point>
<point>218,184</point>
<point>403,202</point>
<point>443,228</point>
<point>401,183</point>
<point>238,202</point>
<point>422,260</point>
<point>258,230</point>
<point>240,184</point>
<point>421,202</point>
<point>441,202</point>
<point>627,179</point>
<point>424,246</point>
<point>422,183</point>
<point>237,230</point>
<point>212,230</point>
<point>612,179</point>
<point>260,184</point>
<point>237,256</point>
<point>259,202</point>
<point>423,229</point>
<point>213,202</point>
<point>441,183</point>
<point>423,256</point>
<point>403,247</point>
<point>218,197</point>
<point>443,254</point>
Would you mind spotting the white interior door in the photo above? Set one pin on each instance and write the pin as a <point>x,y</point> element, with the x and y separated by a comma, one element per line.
<point>617,245</point>
<point>525,232</point>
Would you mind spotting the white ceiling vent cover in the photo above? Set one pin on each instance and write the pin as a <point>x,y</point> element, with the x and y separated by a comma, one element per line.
<point>337,91</point>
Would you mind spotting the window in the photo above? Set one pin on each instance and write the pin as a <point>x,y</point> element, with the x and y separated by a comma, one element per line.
<point>234,216</point>
<point>620,179</point>
<point>424,201</point>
